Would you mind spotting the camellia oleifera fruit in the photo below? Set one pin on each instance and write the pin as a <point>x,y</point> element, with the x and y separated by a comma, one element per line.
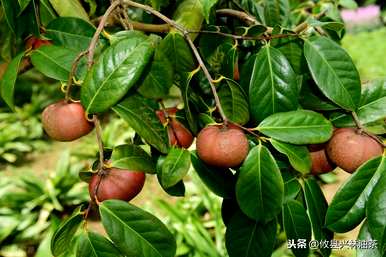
<point>116,184</point>
<point>35,43</point>
<point>222,146</point>
<point>65,121</point>
<point>320,162</point>
<point>349,148</point>
<point>178,134</point>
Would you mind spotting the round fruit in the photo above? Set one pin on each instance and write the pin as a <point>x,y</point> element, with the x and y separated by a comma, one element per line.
<point>348,148</point>
<point>65,121</point>
<point>222,146</point>
<point>320,163</point>
<point>116,184</point>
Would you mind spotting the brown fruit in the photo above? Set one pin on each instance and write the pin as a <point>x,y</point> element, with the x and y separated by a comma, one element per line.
<point>34,43</point>
<point>320,162</point>
<point>349,149</point>
<point>178,134</point>
<point>222,146</point>
<point>65,121</point>
<point>116,184</point>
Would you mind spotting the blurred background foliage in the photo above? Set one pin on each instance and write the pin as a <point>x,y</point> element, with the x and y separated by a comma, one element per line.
<point>40,184</point>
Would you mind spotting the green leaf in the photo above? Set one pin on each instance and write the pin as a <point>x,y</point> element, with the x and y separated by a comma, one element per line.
<point>177,50</point>
<point>349,4</point>
<point>23,4</point>
<point>7,84</point>
<point>347,208</point>
<point>292,186</point>
<point>70,8</point>
<point>139,113</point>
<point>118,68</point>
<point>372,105</point>
<point>292,48</point>
<point>47,14</point>
<point>297,225</point>
<point>190,15</point>
<point>273,86</point>
<point>248,238</point>
<point>298,155</point>
<point>94,245</point>
<point>311,99</point>
<point>365,235</point>
<point>375,209</point>
<point>136,232</point>
<point>219,181</point>
<point>64,234</point>
<point>132,157</point>
<point>207,7</point>
<point>234,101</point>
<point>297,127</point>
<point>260,177</point>
<point>72,33</point>
<point>54,61</point>
<point>176,190</point>
<point>160,78</point>
<point>317,208</point>
<point>276,12</point>
<point>333,71</point>
<point>175,166</point>
<point>330,25</point>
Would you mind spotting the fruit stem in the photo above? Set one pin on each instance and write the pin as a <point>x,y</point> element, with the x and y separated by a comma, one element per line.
<point>71,75</point>
<point>185,33</point>
<point>98,130</point>
<point>362,130</point>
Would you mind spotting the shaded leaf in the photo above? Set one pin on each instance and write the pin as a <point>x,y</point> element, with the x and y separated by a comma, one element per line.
<point>175,166</point>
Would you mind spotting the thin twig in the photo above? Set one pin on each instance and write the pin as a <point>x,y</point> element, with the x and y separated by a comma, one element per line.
<point>250,20</point>
<point>94,40</point>
<point>72,74</point>
<point>245,129</point>
<point>362,129</point>
<point>261,37</point>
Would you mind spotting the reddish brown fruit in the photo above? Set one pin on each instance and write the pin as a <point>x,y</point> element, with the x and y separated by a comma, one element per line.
<point>116,184</point>
<point>236,73</point>
<point>182,136</point>
<point>320,163</point>
<point>349,149</point>
<point>34,43</point>
<point>178,134</point>
<point>65,121</point>
<point>222,146</point>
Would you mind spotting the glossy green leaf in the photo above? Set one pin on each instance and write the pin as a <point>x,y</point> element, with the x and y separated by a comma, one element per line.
<point>371,107</point>
<point>298,155</point>
<point>139,113</point>
<point>248,238</point>
<point>219,181</point>
<point>234,101</point>
<point>176,190</point>
<point>7,84</point>
<point>297,225</point>
<point>207,7</point>
<point>175,167</point>
<point>47,14</point>
<point>190,15</point>
<point>54,61</point>
<point>312,99</point>
<point>347,208</point>
<point>177,50</point>
<point>297,127</point>
<point>64,234</point>
<point>117,70</point>
<point>292,48</point>
<point>276,12</point>
<point>70,32</point>
<point>159,79</point>
<point>260,177</point>
<point>69,8</point>
<point>94,245</point>
<point>136,232</point>
<point>375,209</point>
<point>132,157</point>
<point>333,71</point>
<point>317,208</point>
<point>365,235</point>
<point>273,86</point>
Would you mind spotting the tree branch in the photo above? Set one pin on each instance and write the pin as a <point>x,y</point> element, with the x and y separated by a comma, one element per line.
<point>248,19</point>
<point>72,74</point>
